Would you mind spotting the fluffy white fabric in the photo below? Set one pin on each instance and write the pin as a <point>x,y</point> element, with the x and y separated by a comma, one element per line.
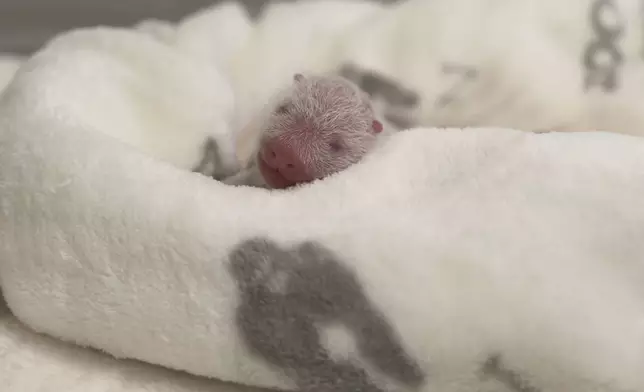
<point>9,64</point>
<point>136,89</point>
<point>486,241</point>
<point>506,63</point>
<point>492,259</point>
<point>35,363</point>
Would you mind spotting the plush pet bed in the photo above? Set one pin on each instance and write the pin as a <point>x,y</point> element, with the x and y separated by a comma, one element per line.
<point>451,259</point>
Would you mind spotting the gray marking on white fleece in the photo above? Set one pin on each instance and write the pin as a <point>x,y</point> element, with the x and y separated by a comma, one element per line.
<point>288,294</point>
<point>395,101</point>
<point>493,368</point>
<point>212,164</point>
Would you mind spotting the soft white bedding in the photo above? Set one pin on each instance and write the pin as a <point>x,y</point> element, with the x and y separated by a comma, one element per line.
<point>9,63</point>
<point>34,363</point>
<point>30,362</point>
<point>473,259</point>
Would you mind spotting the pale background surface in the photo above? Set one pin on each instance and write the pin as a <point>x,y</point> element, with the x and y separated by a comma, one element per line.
<point>26,24</point>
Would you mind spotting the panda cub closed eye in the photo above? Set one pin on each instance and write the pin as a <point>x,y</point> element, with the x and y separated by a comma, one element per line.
<point>336,145</point>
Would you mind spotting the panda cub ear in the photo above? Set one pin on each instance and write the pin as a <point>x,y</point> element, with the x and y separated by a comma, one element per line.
<point>298,77</point>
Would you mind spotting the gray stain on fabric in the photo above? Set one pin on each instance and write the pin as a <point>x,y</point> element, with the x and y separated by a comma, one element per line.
<point>466,74</point>
<point>256,8</point>
<point>286,294</point>
<point>377,85</point>
<point>398,101</point>
<point>400,120</point>
<point>494,368</point>
<point>211,164</point>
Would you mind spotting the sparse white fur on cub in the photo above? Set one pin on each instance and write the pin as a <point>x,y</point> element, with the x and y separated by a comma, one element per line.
<point>315,127</point>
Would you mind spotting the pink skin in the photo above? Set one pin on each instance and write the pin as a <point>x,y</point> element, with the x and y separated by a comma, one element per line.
<point>323,126</point>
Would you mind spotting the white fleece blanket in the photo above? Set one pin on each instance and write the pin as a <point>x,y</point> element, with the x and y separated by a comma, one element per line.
<point>34,363</point>
<point>30,362</point>
<point>492,259</point>
<point>568,65</point>
<point>9,64</point>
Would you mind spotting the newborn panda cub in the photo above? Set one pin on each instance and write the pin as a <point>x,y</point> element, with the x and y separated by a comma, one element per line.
<point>318,126</point>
